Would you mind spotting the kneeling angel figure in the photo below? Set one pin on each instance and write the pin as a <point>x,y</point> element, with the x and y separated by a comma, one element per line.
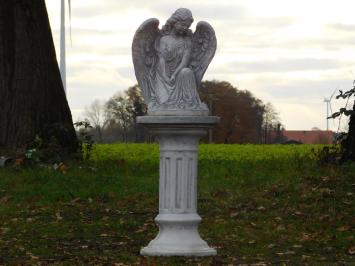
<point>169,63</point>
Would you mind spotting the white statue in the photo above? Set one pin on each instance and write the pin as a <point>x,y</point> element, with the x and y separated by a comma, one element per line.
<point>170,63</point>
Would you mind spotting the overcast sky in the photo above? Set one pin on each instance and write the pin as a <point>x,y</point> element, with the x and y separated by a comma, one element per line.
<point>290,53</point>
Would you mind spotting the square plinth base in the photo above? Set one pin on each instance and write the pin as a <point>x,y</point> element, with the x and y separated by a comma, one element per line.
<point>178,251</point>
<point>178,236</point>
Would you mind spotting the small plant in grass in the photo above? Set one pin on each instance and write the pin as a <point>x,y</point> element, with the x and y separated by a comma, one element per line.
<point>50,151</point>
<point>330,154</point>
<point>47,152</point>
<point>86,141</point>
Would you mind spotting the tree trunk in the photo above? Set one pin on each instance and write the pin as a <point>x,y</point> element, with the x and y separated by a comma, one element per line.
<point>32,97</point>
<point>348,145</point>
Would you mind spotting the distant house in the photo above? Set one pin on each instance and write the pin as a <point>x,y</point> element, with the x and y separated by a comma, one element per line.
<point>308,136</point>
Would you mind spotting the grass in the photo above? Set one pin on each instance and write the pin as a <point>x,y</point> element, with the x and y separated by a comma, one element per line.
<point>261,205</point>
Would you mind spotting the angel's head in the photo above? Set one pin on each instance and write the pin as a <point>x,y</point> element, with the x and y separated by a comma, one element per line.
<point>180,21</point>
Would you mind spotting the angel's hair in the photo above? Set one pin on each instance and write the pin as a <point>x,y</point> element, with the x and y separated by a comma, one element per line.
<point>181,14</point>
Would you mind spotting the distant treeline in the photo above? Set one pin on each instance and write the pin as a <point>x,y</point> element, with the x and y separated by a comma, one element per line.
<point>244,118</point>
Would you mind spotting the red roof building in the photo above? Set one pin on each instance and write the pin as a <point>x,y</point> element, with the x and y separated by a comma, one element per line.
<point>309,136</point>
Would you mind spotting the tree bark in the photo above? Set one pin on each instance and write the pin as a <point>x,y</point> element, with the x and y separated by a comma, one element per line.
<point>348,145</point>
<point>32,97</point>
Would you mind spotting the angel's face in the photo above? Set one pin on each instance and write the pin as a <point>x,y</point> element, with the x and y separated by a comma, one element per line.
<point>181,27</point>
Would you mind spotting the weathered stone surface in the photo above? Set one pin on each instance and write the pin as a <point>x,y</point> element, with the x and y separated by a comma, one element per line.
<point>170,62</point>
<point>169,65</point>
<point>178,219</point>
<point>194,121</point>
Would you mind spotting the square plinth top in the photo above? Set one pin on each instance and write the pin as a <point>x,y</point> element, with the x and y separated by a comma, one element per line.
<point>177,120</point>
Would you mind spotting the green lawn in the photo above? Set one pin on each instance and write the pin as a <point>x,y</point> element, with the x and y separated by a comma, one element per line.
<point>261,205</point>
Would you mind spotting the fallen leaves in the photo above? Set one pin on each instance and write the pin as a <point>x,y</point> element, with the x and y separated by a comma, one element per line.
<point>344,228</point>
<point>327,192</point>
<point>297,246</point>
<point>33,257</point>
<point>75,200</point>
<point>60,167</point>
<point>143,228</point>
<point>4,230</point>
<point>111,194</point>
<point>234,214</point>
<point>19,162</point>
<point>58,216</point>
<point>351,250</point>
<point>306,237</point>
<point>280,227</point>
<point>4,199</point>
<point>261,208</point>
<point>286,253</point>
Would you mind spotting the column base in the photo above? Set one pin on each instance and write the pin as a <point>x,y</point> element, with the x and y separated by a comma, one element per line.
<point>178,236</point>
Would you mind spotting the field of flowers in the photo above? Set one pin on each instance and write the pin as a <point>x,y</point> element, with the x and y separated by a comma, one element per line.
<point>247,162</point>
<point>207,152</point>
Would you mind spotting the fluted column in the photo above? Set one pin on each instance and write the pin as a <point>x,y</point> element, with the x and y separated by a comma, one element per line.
<point>178,219</point>
<point>178,172</point>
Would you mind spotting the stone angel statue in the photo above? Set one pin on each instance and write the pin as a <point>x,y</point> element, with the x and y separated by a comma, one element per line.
<point>169,63</point>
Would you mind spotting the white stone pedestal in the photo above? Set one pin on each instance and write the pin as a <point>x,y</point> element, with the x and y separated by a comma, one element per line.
<point>178,219</point>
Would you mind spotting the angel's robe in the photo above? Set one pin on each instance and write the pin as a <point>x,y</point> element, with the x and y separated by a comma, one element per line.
<point>182,92</point>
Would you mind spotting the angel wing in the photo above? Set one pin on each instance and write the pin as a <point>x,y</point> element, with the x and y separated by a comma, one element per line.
<point>204,44</point>
<point>144,55</point>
